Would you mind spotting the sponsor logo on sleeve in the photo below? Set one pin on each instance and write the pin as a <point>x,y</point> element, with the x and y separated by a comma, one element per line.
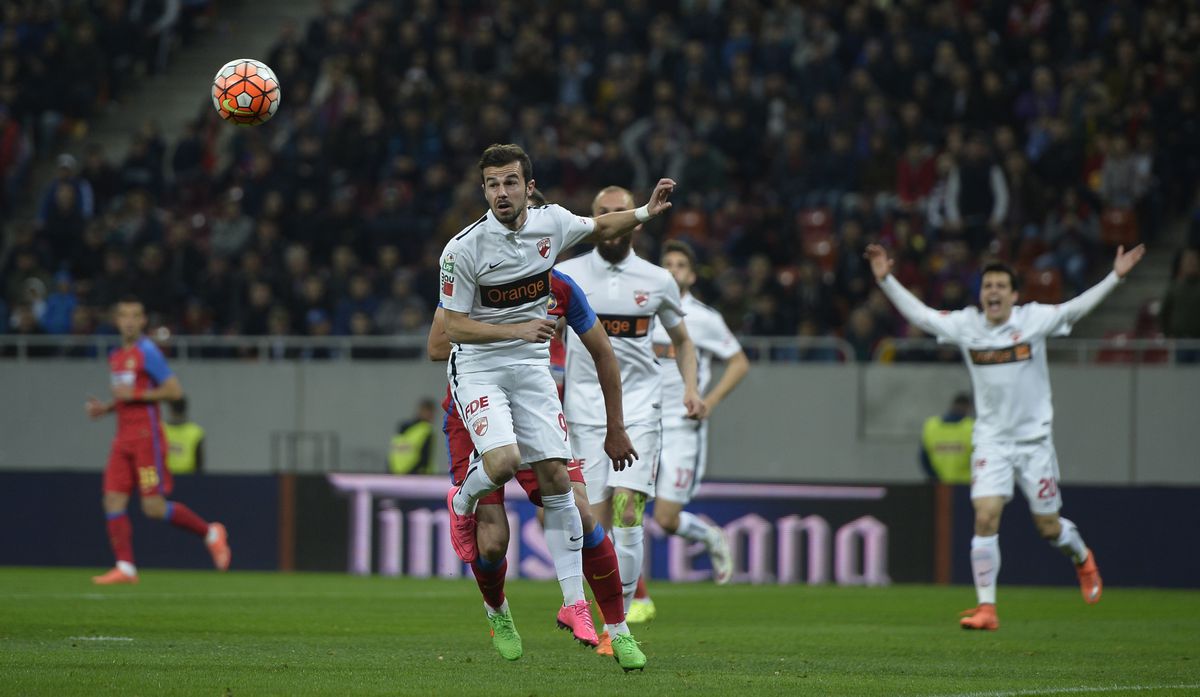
<point>516,293</point>
<point>448,263</point>
<point>543,247</point>
<point>447,284</point>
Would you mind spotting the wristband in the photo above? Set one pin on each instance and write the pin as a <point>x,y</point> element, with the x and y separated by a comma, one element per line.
<point>643,214</point>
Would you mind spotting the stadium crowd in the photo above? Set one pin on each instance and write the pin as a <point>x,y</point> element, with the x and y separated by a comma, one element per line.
<point>1042,133</point>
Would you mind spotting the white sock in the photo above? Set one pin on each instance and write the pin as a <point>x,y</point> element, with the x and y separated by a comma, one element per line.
<point>630,552</point>
<point>985,565</point>
<point>496,610</point>
<point>693,529</point>
<point>475,486</point>
<point>616,629</point>
<point>127,568</point>
<point>1070,542</point>
<point>564,537</point>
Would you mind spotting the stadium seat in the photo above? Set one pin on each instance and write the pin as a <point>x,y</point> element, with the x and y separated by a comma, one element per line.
<point>689,224</point>
<point>1118,226</point>
<point>1043,286</point>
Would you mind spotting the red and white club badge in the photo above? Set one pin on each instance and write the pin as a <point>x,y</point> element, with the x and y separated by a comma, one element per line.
<point>543,247</point>
<point>641,297</point>
<point>480,426</point>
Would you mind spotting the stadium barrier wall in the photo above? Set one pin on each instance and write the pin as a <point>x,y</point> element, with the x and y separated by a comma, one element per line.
<point>787,422</point>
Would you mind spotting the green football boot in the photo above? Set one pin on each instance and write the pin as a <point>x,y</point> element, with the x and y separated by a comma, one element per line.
<point>505,637</point>
<point>627,652</point>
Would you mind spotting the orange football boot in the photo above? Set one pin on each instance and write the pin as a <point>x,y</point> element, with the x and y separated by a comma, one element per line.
<point>1089,579</point>
<point>982,617</point>
<point>219,547</point>
<point>114,576</point>
<point>605,647</point>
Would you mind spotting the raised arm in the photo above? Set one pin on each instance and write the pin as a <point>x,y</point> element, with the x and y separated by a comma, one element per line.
<point>617,223</point>
<point>913,310</point>
<point>1085,302</point>
<point>685,360</point>
<point>617,444</point>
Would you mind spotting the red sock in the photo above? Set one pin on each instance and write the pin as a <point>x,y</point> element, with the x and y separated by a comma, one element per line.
<point>120,536</point>
<point>600,568</point>
<point>491,582</point>
<point>640,593</point>
<point>181,516</point>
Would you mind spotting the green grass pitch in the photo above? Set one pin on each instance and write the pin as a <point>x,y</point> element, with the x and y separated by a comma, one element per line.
<point>248,634</point>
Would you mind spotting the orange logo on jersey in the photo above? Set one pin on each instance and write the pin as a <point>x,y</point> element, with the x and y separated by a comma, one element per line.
<point>516,293</point>
<point>1012,354</point>
<point>625,326</point>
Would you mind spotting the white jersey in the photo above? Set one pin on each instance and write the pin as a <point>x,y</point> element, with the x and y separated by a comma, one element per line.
<point>496,275</point>
<point>1007,362</point>
<point>627,297</point>
<point>712,337</point>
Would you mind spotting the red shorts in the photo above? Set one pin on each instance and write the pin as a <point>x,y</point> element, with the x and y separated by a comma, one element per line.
<point>140,463</point>
<point>461,450</point>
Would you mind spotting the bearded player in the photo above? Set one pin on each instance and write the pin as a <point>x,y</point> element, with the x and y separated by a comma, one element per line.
<point>684,440</point>
<point>1004,347</point>
<point>492,533</point>
<point>140,379</point>
<point>629,295</point>
<point>494,286</point>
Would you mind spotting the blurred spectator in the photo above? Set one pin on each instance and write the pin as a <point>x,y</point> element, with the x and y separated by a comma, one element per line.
<point>946,443</point>
<point>1180,313</point>
<point>411,447</point>
<point>976,196</point>
<point>185,440</point>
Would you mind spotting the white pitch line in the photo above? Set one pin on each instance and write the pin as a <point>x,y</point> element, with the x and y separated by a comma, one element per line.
<point>1074,690</point>
<point>100,638</point>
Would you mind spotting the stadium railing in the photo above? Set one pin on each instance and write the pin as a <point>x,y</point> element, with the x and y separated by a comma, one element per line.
<point>768,349</point>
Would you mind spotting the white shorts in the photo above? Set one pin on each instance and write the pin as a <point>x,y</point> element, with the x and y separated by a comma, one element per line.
<point>1033,464</point>
<point>515,404</point>
<point>684,456</point>
<point>588,444</point>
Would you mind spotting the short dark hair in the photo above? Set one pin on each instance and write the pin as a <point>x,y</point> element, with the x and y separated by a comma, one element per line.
<point>1001,267</point>
<point>178,406</point>
<point>681,247</point>
<point>129,299</point>
<point>498,155</point>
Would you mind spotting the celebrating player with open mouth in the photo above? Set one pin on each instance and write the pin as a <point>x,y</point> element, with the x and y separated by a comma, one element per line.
<point>495,282</point>
<point>1005,351</point>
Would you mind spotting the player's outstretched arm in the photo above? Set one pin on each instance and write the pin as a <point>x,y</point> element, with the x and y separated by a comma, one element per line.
<point>618,223</point>
<point>617,444</point>
<point>915,311</point>
<point>1085,302</point>
<point>685,360</point>
<point>437,346</point>
<point>461,329</point>
<point>735,370</point>
<point>170,390</point>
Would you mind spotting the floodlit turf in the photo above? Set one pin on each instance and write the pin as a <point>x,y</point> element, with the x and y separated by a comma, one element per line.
<point>196,633</point>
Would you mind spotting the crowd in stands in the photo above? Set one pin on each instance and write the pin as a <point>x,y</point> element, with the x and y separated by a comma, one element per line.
<point>1043,133</point>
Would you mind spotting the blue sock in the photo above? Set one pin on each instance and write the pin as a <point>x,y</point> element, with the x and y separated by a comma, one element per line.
<point>595,537</point>
<point>485,565</point>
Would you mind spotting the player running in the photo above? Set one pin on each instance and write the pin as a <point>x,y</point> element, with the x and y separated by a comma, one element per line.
<point>494,285</point>
<point>567,301</point>
<point>628,293</point>
<point>1005,351</point>
<point>684,440</point>
<point>140,379</point>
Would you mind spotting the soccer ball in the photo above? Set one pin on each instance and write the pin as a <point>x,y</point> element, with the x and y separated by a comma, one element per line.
<point>246,92</point>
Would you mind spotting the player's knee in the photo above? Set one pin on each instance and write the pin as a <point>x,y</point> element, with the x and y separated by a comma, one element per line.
<point>154,508</point>
<point>1048,528</point>
<point>628,509</point>
<point>667,520</point>
<point>491,547</point>
<point>986,523</point>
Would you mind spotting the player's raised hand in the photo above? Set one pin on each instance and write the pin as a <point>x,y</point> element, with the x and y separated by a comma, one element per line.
<point>94,407</point>
<point>619,448</point>
<point>1125,261</point>
<point>535,331</point>
<point>696,407</point>
<point>658,199</point>
<point>881,264</point>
